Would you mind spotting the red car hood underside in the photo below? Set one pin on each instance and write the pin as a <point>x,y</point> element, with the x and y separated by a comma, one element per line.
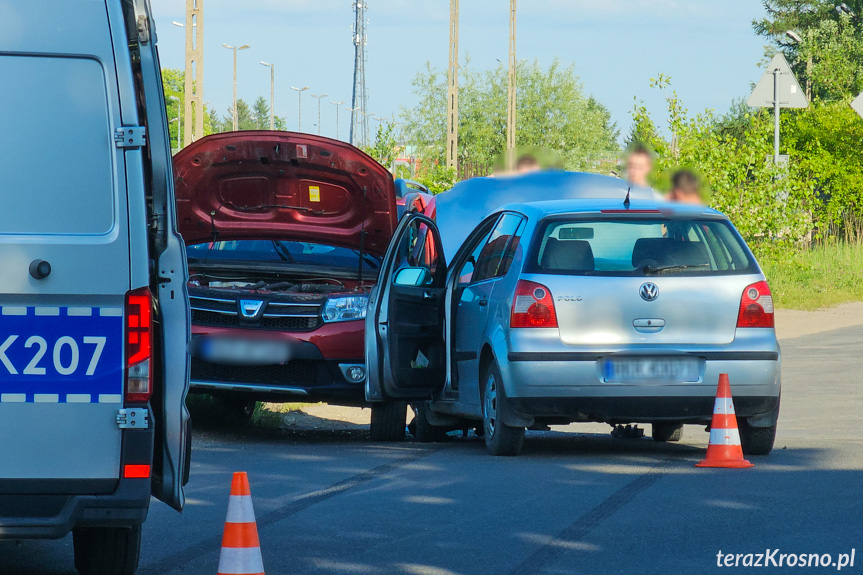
<point>283,186</point>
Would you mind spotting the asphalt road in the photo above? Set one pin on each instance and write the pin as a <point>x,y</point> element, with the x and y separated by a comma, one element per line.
<point>575,501</point>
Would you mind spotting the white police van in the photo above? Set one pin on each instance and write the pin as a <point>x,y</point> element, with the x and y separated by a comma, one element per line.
<point>94,318</point>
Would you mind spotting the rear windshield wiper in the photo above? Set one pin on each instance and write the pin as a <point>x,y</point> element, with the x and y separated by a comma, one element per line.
<point>649,270</point>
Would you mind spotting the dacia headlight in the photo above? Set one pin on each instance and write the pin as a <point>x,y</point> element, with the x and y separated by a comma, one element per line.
<point>345,308</point>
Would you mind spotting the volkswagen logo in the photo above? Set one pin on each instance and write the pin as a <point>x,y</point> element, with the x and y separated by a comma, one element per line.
<point>648,291</point>
<point>250,307</point>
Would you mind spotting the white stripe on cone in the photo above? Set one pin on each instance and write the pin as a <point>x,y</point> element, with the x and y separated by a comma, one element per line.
<point>240,509</point>
<point>723,405</point>
<point>240,561</point>
<point>724,437</point>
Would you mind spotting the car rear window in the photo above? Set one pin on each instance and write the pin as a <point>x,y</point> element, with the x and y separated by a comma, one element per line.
<point>56,147</point>
<point>639,247</point>
<point>286,252</point>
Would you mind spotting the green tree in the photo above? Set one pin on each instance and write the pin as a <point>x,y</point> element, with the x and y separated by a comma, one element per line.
<point>552,112</point>
<point>385,146</point>
<point>261,114</point>
<point>173,83</point>
<point>245,117</point>
<point>829,56</point>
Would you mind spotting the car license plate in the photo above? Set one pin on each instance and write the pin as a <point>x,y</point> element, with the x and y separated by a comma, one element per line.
<point>61,354</point>
<point>240,351</point>
<point>659,369</point>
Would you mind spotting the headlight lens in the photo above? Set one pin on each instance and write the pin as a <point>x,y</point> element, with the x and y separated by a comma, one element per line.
<point>345,308</point>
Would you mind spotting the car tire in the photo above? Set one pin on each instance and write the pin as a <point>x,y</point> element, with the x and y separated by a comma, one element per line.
<point>500,439</point>
<point>425,432</point>
<point>237,409</point>
<point>667,431</point>
<point>757,440</point>
<point>388,421</point>
<point>107,550</point>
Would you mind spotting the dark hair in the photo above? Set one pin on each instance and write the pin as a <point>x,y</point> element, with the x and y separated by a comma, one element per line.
<point>685,180</point>
<point>640,149</point>
<point>526,160</point>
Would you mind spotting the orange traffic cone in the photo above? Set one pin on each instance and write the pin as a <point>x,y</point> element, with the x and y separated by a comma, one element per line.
<point>724,448</point>
<point>241,549</point>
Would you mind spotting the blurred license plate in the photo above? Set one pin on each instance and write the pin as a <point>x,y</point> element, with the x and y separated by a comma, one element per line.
<point>670,369</point>
<point>237,351</point>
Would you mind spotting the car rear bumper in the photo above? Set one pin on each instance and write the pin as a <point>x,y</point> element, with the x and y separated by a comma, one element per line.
<point>36,511</point>
<point>636,409</point>
<point>570,386</point>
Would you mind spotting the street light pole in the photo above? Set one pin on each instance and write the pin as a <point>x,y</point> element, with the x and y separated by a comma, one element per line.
<point>299,92</point>
<point>272,93</point>
<point>319,109</point>
<point>235,117</point>
<point>337,104</point>
<point>179,120</point>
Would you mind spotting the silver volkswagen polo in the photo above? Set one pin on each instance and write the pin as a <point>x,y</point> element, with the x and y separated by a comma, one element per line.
<point>575,310</point>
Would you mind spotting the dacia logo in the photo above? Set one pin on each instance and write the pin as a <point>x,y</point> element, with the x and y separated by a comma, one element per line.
<point>250,308</point>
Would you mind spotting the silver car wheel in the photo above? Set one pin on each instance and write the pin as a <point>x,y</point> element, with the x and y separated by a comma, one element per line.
<point>490,405</point>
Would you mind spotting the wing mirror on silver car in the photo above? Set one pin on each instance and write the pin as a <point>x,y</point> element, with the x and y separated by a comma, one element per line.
<point>413,276</point>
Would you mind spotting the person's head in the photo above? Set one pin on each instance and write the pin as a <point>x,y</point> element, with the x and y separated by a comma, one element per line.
<point>526,163</point>
<point>685,188</point>
<point>639,164</point>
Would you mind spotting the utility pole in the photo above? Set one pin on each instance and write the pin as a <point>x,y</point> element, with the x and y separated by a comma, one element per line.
<point>337,104</point>
<point>452,90</point>
<point>272,93</point>
<point>510,107</point>
<point>235,117</point>
<point>194,75</point>
<point>299,92</point>
<point>359,133</point>
<point>319,96</point>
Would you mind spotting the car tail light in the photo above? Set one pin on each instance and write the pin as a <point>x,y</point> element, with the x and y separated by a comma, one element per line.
<point>139,384</point>
<point>756,306</point>
<point>136,471</point>
<point>532,306</point>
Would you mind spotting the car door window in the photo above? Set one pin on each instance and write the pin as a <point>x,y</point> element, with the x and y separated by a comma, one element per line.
<point>417,249</point>
<point>465,274</point>
<point>509,255</point>
<point>488,262</point>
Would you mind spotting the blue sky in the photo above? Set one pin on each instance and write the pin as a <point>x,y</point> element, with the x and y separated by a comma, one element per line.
<point>706,46</point>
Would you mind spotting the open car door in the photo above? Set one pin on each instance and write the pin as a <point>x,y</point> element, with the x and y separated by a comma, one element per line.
<point>405,353</point>
<point>172,447</point>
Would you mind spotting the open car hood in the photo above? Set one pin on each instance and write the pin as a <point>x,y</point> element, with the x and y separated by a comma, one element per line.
<point>283,186</point>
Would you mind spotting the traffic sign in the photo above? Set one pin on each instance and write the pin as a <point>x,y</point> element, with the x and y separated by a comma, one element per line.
<point>790,95</point>
<point>857,104</point>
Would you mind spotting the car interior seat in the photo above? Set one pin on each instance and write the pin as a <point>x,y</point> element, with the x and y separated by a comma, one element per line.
<point>568,255</point>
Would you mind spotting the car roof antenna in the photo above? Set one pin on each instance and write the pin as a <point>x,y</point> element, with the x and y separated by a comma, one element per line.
<point>626,199</point>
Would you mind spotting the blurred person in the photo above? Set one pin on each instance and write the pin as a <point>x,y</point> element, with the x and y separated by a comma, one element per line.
<point>527,163</point>
<point>685,188</point>
<point>639,164</point>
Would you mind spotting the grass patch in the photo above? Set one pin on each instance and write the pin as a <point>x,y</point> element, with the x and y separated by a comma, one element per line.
<point>822,276</point>
<point>212,412</point>
<point>271,414</point>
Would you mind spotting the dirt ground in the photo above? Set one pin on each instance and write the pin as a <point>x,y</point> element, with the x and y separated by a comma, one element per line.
<point>789,324</point>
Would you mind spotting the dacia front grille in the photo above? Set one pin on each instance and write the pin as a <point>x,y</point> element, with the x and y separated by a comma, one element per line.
<point>213,308</point>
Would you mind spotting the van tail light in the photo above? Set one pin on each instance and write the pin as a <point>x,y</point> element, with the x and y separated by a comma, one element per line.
<point>532,306</point>
<point>756,306</point>
<point>139,330</point>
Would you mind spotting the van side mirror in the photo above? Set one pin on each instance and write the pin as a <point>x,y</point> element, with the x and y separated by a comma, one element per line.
<point>413,276</point>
